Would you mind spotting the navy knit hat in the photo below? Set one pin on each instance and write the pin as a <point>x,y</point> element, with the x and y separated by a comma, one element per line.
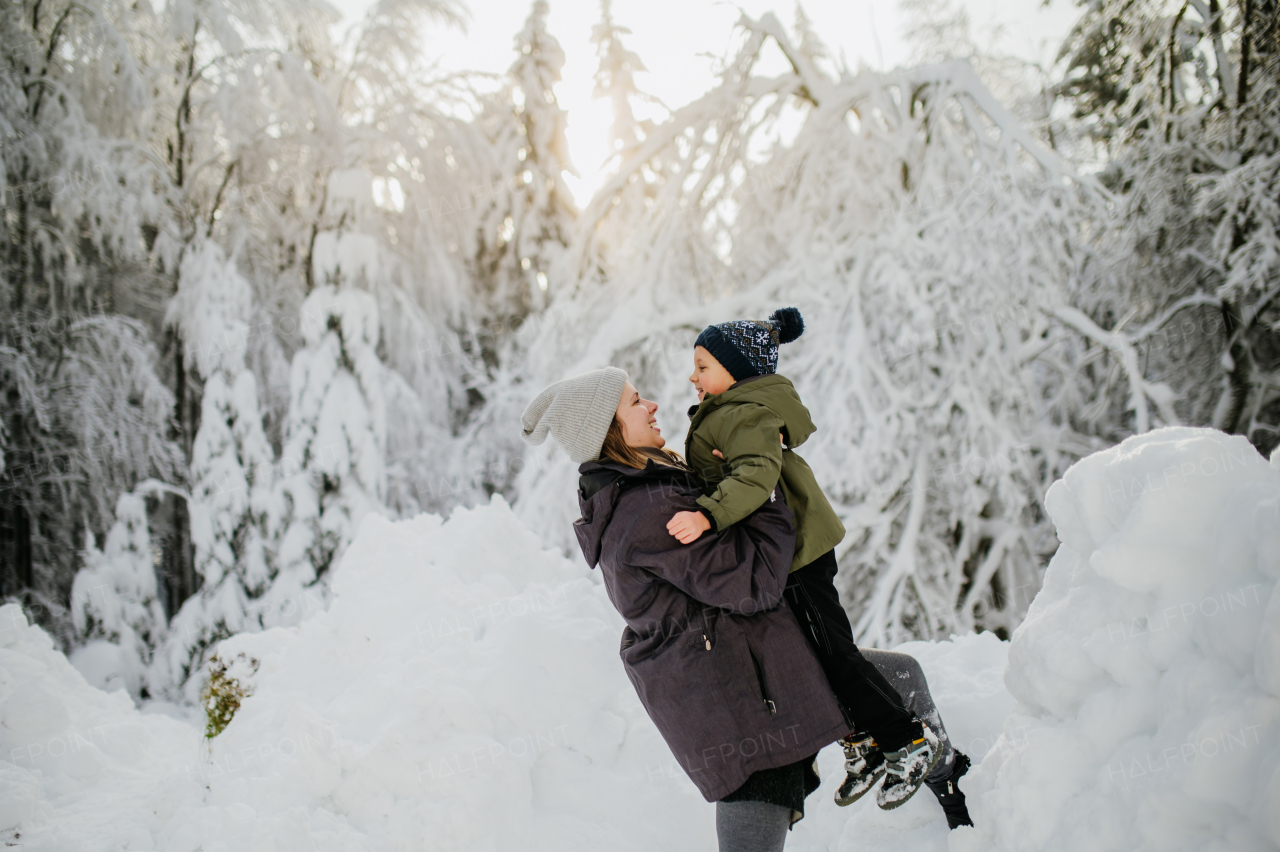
<point>749,348</point>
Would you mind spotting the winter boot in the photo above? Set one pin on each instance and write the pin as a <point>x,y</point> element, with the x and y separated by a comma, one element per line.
<point>948,792</point>
<point>906,769</point>
<point>864,765</point>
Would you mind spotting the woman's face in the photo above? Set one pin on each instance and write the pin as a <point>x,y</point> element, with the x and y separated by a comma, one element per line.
<point>636,417</point>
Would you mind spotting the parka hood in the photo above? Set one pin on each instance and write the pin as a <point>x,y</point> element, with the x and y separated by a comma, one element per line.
<point>600,484</point>
<point>597,498</point>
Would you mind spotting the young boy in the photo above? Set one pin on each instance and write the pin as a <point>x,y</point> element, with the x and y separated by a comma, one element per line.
<point>744,428</point>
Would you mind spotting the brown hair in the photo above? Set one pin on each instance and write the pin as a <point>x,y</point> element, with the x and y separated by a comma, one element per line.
<point>616,449</point>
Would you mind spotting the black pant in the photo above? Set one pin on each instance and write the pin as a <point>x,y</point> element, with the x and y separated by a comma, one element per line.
<point>875,706</point>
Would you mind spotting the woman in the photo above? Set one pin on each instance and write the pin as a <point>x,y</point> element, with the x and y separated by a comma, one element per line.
<point>723,670</point>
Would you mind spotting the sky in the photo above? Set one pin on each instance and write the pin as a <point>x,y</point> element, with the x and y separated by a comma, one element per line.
<point>680,40</point>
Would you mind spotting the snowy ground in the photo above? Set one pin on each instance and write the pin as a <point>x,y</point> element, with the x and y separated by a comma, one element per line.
<point>463,691</point>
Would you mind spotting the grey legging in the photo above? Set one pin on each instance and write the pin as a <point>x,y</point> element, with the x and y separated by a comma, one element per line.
<point>752,826</point>
<point>904,672</point>
<point>762,827</point>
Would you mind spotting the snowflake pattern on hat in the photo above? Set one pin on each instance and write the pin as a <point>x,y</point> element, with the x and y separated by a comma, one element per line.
<point>757,341</point>
<point>750,347</point>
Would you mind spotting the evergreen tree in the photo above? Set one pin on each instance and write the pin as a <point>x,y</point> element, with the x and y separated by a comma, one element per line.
<point>525,220</point>
<point>114,599</point>
<point>231,465</point>
<point>333,467</point>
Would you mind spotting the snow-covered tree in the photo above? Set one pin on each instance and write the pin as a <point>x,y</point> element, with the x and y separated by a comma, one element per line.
<point>263,117</point>
<point>525,228</point>
<point>522,221</point>
<point>333,467</point>
<point>543,221</point>
<point>231,465</point>
<point>114,598</point>
<point>615,77</point>
<point>604,247</point>
<point>85,416</point>
<point>1183,105</point>
<point>244,121</point>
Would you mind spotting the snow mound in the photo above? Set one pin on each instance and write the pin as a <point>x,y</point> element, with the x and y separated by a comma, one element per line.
<point>1147,672</point>
<point>463,686</point>
<point>72,757</point>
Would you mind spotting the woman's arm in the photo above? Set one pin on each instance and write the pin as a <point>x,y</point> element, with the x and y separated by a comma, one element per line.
<point>742,569</point>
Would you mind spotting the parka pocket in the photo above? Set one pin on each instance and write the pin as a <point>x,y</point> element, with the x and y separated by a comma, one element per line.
<point>764,692</point>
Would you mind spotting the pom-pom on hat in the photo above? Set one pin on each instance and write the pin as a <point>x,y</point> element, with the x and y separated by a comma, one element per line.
<point>749,348</point>
<point>577,412</point>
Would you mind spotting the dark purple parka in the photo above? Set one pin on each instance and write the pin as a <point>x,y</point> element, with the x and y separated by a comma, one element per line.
<point>722,669</point>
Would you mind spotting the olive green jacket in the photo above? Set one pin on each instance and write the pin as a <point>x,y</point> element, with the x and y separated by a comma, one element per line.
<point>743,424</point>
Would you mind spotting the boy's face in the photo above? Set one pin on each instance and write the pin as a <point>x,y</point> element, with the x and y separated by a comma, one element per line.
<point>709,375</point>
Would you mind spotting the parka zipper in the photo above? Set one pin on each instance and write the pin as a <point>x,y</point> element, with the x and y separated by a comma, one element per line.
<point>708,633</point>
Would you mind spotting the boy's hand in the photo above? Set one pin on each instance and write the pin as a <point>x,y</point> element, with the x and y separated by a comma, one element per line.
<point>688,526</point>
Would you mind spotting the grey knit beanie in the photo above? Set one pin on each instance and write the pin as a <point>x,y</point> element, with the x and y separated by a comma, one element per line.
<point>577,412</point>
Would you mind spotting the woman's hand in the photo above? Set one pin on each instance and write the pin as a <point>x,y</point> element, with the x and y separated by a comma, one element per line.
<point>688,526</point>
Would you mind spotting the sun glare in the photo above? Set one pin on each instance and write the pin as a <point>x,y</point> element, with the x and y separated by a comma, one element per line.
<point>590,120</point>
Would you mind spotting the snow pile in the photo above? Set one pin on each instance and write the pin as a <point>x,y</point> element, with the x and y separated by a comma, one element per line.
<point>81,769</point>
<point>1147,672</point>
<point>462,691</point>
<point>463,686</point>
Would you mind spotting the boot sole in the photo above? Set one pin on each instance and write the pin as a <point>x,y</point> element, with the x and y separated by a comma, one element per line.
<point>849,800</point>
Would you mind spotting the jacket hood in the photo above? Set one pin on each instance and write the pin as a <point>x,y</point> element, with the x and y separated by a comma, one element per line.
<point>772,391</point>
<point>600,484</point>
